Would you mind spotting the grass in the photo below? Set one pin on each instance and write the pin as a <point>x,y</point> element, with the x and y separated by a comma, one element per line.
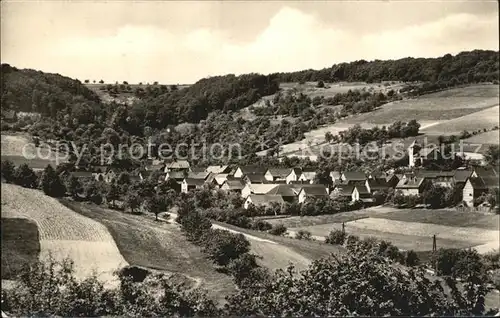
<point>35,164</point>
<point>20,245</point>
<point>158,245</point>
<point>310,249</point>
<point>487,118</point>
<point>444,217</point>
<point>64,233</point>
<point>489,138</point>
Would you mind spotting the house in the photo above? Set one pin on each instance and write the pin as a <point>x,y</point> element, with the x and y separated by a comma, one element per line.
<point>411,185</point>
<point>257,189</point>
<point>233,185</point>
<point>255,178</point>
<point>265,200</point>
<point>154,164</point>
<point>361,193</point>
<point>392,180</point>
<point>277,174</point>
<point>317,191</point>
<point>197,170</point>
<point>342,191</point>
<point>145,174</point>
<point>377,184</point>
<point>335,176</point>
<point>352,176</point>
<point>218,169</point>
<point>287,192</point>
<point>293,175</point>
<point>218,179</point>
<point>246,170</point>
<point>191,184</point>
<point>176,175</point>
<point>178,165</point>
<point>377,174</point>
<point>308,176</point>
<point>198,175</point>
<point>480,182</point>
<point>418,156</point>
<point>440,178</point>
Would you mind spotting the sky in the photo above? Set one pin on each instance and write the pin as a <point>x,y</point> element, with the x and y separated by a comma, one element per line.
<point>182,42</point>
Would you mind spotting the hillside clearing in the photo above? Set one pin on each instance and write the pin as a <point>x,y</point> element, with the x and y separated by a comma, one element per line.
<point>491,137</point>
<point>487,118</point>
<point>64,233</point>
<point>20,245</point>
<point>158,245</point>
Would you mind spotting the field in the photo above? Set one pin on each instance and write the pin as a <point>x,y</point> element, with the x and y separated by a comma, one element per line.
<point>20,245</point>
<point>64,233</point>
<point>19,149</point>
<point>330,89</point>
<point>489,138</point>
<point>407,229</point>
<point>158,245</point>
<point>487,118</point>
<point>446,112</point>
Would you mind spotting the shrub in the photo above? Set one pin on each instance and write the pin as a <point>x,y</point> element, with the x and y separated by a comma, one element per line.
<point>336,237</point>
<point>278,229</point>
<point>351,241</point>
<point>51,184</point>
<point>492,260</point>
<point>303,235</point>
<point>222,246</point>
<point>411,258</point>
<point>261,225</point>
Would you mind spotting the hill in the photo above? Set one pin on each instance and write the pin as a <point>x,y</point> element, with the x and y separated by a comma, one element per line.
<point>26,90</point>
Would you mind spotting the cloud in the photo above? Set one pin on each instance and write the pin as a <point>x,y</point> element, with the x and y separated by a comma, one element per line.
<point>293,40</point>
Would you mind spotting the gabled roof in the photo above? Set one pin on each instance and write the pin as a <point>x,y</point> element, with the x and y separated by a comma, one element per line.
<point>175,174</point>
<point>309,175</point>
<point>220,178</point>
<point>194,182</point>
<point>486,171</point>
<point>279,172</point>
<point>197,169</point>
<point>354,175</point>
<point>431,174</point>
<point>178,164</point>
<point>378,184</point>
<point>283,190</point>
<point>344,189</point>
<point>234,184</point>
<point>256,178</point>
<point>362,190</point>
<point>265,199</point>
<point>217,169</point>
<point>262,188</point>
<point>316,190</point>
<point>297,171</point>
<point>252,169</point>
<point>410,183</point>
<point>198,175</point>
<point>462,175</point>
<point>485,183</point>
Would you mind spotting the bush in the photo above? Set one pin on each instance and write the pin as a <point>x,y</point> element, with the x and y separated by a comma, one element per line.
<point>303,235</point>
<point>411,258</point>
<point>458,263</point>
<point>222,246</point>
<point>351,241</point>
<point>51,184</point>
<point>278,229</point>
<point>261,225</point>
<point>337,237</point>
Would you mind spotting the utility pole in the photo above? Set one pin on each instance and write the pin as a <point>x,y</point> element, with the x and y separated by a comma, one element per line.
<point>434,252</point>
<point>343,227</point>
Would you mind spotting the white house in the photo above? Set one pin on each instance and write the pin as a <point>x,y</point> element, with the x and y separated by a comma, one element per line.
<point>244,170</point>
<point>277,174</point>
<point>191,184</point>
<point>257,189</point>
<point>293,175</point>
<point>312,192</point>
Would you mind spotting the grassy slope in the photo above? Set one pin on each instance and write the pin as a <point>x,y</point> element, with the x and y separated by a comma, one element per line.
<point>144,242</point>
<point>490,138</point>
<point>20,245</point>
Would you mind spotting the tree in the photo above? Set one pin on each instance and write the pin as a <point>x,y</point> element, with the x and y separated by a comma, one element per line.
<point>493,155</point>
<point>132,201</point>
<point>25,177</point>
<point>435,196</point>
<point>101,82</point>
<point>328,137</point>
<point>113,193</point>
<point>93,192</point>
<point>73,187</point>
<point>320,84</point>
<point>51,183</point>
<point>155,204</point>
<point>8,170</point>
<point>222,246</point>
<point>87,81</point>
<point>331,287</point>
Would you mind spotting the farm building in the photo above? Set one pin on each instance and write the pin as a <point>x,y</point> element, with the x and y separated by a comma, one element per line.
<point>176,175</point>
<point>178,165</point>
<point>265,200</point>
<point>441,178</point>
<point>308,176</point>
<point>198,175</point>
<point>352,176</point>
<point>191,184</point>
<point>293,175</point>
<point>257,189</point>
<point>418,156</point>
<point>361,193</point>
<point>246,170</point>
<point>411,185</point>
<point>233,185</point>
<point>481,182</point>
<point>377,184</point>
<point>316,191</point>
<point>277,174</point>
<point>254,178</point>
<point>287,192</point>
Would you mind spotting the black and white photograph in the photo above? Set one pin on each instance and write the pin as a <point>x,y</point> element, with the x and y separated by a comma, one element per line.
<point>250,158</point>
